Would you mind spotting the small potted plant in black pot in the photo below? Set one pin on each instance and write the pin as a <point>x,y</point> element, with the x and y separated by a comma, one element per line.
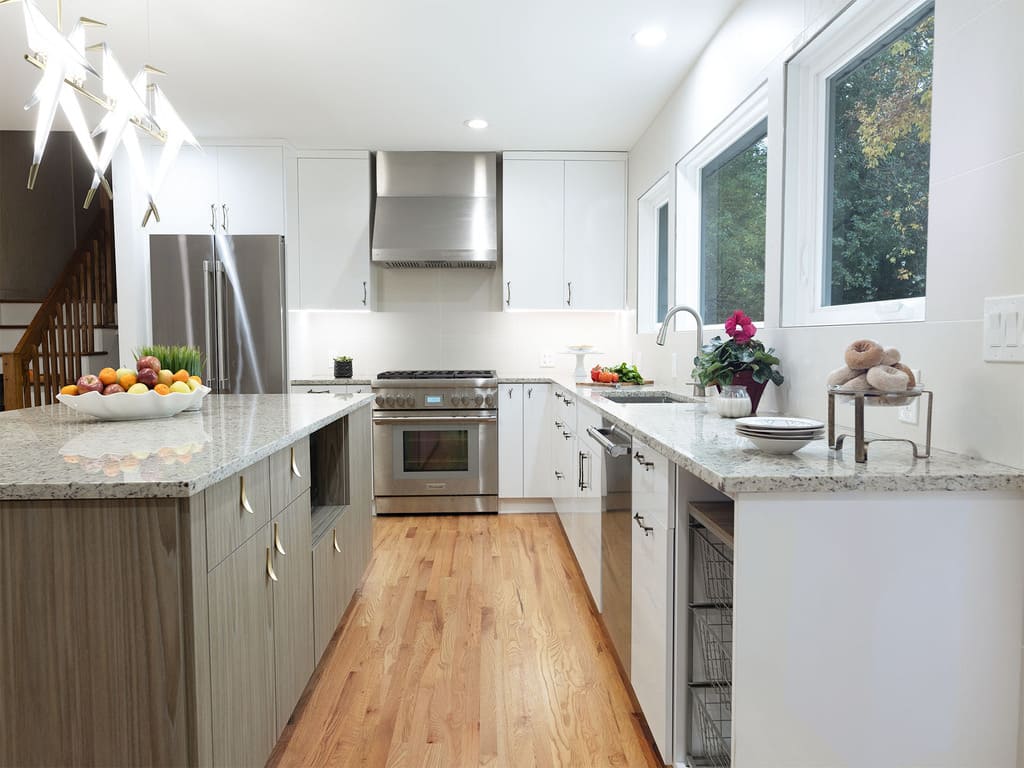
<point>343,367</point>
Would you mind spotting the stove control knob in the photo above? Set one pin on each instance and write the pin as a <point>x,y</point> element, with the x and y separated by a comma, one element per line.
<point>456,400</point>
<point>390,400</point>
<point>380,400</point>
<point>489,400</point>
<point>479,399</point>
<point>410,402</point>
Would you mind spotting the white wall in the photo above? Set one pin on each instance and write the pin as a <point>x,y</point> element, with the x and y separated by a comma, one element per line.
<point>448,318</point>
<point>975,226</point>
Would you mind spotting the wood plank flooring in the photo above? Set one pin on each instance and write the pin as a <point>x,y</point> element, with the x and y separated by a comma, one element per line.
<point>473,642</point>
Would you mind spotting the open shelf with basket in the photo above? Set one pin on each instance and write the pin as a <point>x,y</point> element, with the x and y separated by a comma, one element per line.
<point>710,603</point>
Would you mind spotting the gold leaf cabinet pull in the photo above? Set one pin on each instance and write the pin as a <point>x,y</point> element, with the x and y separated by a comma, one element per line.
<point>277,539</point>
<point>336,547</point>
<point>270,566</point>
<point>295,466</point>
<point>245,499</point>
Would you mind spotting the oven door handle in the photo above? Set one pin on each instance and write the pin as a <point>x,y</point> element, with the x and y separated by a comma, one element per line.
<point>435,419</point>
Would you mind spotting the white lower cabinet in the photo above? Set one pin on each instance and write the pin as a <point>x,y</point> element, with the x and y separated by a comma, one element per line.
<point>524,441</point>
<point>510,441</point>
<point>327,389</point>
<point>588,500</point>
<point>653,592</point>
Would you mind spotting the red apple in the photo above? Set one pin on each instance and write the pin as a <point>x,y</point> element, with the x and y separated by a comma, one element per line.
<point>148,376</point>
<point>148,362</point>
<point>112,389</point>
<point>89,383</point>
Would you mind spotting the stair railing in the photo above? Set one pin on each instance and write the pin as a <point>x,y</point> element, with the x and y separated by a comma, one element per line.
<point>83,298</point>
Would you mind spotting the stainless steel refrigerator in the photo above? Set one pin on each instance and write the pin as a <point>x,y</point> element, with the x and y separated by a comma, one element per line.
<point>225,295</point>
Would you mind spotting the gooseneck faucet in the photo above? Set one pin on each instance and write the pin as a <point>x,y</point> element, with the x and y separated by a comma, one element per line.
<point>698,389</point>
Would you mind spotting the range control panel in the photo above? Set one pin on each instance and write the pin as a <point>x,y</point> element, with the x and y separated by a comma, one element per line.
<point>440,399</point>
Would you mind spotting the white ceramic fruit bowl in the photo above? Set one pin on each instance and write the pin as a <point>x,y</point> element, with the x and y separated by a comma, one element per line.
<point>125,407</point>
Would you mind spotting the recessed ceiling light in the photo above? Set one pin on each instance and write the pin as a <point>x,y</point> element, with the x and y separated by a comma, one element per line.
<point>649,37</point>
<point>477,124</point>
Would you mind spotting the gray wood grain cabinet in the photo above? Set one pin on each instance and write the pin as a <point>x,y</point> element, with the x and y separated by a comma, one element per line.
<point>178,631</point>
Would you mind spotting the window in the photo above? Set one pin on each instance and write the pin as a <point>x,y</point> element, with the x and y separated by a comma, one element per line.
<point>723,184</point>
<point>859,130</point>
<point>733,190</point>
<point>654,251</point>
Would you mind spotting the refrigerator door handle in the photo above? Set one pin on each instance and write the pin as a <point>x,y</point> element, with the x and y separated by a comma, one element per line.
<point>221,368</point>
<point>208,326</point>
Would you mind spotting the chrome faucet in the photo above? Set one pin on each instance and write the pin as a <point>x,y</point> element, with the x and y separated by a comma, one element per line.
<point>698,389</point>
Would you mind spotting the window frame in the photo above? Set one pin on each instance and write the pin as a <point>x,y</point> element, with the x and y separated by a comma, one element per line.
<point>648,204</point>
<point>840,46</point>
<point>751,112</point>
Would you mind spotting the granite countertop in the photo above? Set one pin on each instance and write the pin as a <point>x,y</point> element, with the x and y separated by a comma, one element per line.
<point>696,438</point>
<point>52,452</point>
<point>327,381</point>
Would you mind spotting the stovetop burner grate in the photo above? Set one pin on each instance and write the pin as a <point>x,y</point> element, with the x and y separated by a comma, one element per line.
<point>457,374</point>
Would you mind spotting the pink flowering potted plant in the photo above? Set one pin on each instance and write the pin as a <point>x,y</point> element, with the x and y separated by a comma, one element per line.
<point>741,360</point>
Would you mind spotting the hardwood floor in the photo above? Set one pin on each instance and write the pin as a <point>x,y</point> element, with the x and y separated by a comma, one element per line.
<point>472,643</point>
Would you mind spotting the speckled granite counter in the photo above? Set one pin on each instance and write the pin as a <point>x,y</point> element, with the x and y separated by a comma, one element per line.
<point>694,437</point>
<point>53,452</point>
<point>328,382</point>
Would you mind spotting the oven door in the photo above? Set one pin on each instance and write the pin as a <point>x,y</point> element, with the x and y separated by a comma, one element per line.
<point>440,453</point>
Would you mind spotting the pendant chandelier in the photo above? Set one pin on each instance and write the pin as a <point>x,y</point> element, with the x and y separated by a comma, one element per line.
<point>132,105</point>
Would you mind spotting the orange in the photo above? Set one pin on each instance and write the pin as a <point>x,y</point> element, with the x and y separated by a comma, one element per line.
<point>162,389</point>
<point>126,380</point>
<point>108,376</point>
<point>70,389</point>
<point>181,375</point>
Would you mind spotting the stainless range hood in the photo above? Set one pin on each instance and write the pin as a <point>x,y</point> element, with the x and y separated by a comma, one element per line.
<point>436,209</point>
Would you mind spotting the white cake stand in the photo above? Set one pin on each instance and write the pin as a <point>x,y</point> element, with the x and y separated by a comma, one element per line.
<point>582,373</point>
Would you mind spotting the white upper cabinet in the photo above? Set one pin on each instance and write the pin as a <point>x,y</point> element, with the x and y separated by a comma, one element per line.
<point>235,189</point>
<point>334,232</point>
<point>564,230</point>
<point>532,232</point>
<point>595,234</point>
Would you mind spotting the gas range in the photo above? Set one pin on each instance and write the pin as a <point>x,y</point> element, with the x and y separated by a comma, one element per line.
<point>436,390</point>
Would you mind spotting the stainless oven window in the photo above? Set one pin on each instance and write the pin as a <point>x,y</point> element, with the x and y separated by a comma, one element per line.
<point>435,450</point>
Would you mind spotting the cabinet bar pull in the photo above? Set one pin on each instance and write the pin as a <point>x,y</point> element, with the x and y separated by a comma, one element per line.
<point>569,302</point>
<point>364,293</point>
<point>508,293</point>
<point>245,499</point>
<point>224,223</point>
<point>213,217</point>
<point>270,566</point>
<point>336,547</point>
<point>510,393</point>
<point>529,392</point>
<point>295,467</point>
<point>559,396</point>
<point>640,521</point>
<point>558,475</point>
<point>277,540</point>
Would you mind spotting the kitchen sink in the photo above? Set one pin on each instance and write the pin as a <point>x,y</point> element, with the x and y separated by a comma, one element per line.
<point>638,398</point>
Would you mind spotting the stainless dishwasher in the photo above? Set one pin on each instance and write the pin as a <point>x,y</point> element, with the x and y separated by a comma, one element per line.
<point>616,535</point>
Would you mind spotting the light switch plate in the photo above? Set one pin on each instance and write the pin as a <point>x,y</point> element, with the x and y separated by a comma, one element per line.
<point>911,412</point>
<point>547,360</point>
<point>1003,329</point>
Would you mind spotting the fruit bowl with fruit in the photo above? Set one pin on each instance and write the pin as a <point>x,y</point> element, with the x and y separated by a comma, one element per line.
<point>146,392</point>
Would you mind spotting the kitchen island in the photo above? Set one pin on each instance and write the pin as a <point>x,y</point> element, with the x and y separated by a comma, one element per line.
<point>874,611</point>
<point>167,587</point>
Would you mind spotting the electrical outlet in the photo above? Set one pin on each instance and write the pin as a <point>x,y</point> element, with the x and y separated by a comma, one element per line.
<point>547,360</point>
<point>911,412</point>
<point>675,366</point>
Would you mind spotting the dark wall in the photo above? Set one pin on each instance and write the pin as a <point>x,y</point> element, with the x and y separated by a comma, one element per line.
<point>40,228</point>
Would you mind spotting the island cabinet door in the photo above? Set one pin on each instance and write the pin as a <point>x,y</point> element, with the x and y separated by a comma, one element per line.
<point>293,605</point>
<point>236,508</point>
<point>289,474</point>
<point>242,654</point>
<point>331,583</point>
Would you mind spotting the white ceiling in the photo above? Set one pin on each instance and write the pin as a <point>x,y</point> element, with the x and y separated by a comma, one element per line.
<point>393,74</point>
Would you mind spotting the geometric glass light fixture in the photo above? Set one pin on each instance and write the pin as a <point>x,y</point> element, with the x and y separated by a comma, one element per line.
<point>132,105</point>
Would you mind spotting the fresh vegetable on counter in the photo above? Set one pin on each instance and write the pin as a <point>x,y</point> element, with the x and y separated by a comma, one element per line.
<point>626,374</point>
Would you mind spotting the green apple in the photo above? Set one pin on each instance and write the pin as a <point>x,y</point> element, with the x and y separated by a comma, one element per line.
<point>165,376</point>
<point>122,371</point>
<point>180,386</point>
<point>192,384</point>
<point>138,389</point>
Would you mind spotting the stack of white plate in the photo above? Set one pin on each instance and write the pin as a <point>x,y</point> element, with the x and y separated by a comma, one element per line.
<point>779,434</point>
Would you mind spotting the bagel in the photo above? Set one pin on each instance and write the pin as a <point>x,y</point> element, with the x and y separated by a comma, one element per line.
<point>864,354</point>
<point>910,375</point>
<point>840,376</point>
<point>885,378</point>
<point>858,384</point>
<point>891,356</point>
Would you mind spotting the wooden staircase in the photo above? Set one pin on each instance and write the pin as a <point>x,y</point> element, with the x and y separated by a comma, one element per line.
<point>63,331</point>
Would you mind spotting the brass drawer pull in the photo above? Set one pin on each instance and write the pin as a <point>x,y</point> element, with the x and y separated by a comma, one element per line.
<point>245,499</point>
<point>277,539</point>
<point>295,467</point>
<point>336,547</point>
<point>270,566</point>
